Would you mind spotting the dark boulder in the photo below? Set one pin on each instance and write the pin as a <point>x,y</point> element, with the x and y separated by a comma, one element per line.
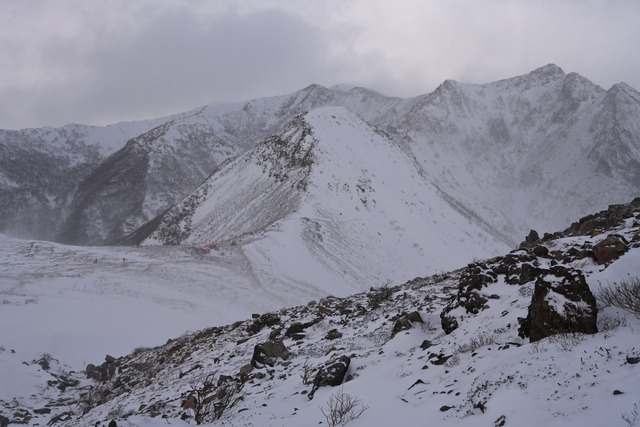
<point>333,334</point>
<point>267,353</point>
<point>541,251</point>
<point>561,303</point>
<point>405,322</point>
<point>609,249</point>
<point>296,330</point>
<point>331,374</point>
<point>260,321</point>
<point>531,239</point>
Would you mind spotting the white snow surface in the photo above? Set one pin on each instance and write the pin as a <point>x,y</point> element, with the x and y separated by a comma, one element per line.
<point>555,382</point>
<point>360,215</point>
<point>80,303</point>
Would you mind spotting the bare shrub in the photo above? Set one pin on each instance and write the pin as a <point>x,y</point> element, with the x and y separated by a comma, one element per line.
<point>607,323</point>
<point>342,408</point>
<point>537,347</point>
<point>379,295</point>
<point>475,343</point>
<point>632,417</point>
<point>209,400</point>
<point>307,374</point>
<point>625,295</point>
<point>566,341</point>
<point>452,361</point>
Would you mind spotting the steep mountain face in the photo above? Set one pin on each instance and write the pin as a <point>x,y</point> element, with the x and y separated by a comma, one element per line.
<point>528,152</point>
<point>307,203</point>
<point>40,170</point>
<point>176,156</point>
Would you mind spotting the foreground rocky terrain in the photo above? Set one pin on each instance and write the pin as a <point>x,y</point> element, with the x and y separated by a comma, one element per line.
<point>532,337</point>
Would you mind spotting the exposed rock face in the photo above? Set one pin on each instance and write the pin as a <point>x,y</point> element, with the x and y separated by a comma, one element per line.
<point>561,303</point>
<point>332,374</point>
<point>471,281</point>
<point>104,372</point>
<point>406,321</point>
<point>609,249</point>
<point>531,240</point>
<point>268,352</point>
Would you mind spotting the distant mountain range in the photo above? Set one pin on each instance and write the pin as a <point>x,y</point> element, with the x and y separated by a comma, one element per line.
<point>465,170</point>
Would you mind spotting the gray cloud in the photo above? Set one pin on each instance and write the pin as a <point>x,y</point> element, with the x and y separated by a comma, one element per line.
<point>72,61</point>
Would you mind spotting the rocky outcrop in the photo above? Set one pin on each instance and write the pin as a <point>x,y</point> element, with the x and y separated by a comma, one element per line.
<point>103,372</point>
<point>331,374</point>
<point>561,303</point>
<point>609,249</point>
<point>405,322</point>
<point>468,297</point>
<point>268,352</point>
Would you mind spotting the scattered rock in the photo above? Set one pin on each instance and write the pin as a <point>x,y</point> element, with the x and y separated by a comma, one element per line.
<point>541,251</point>
<point>528,273</point>
<point>500,422</point>
<point>259,322</point>
<point>609,249</point>
<point>268,352</point>
<point>418,381</point>
<point>441,359</point>
<point>332,374</point>
<point>426,344</point>
<point>633,360</point>
<point>333,334</point>
<point>617,392</point>
<point>445,408</point>
<point>295,331</point>
<point>561,303</point>
<point>246,369</point>
<point>531,239</point>
<point>405,322</point>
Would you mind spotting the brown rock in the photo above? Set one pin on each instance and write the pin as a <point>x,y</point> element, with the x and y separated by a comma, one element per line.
<point>560,304</point>
<point>609,249</point>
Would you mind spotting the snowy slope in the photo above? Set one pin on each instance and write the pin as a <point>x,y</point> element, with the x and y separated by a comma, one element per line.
<point>40,169</point>
<point>157,169</point>
<point>328,201</point>
<point>529,152</point>
<point>482,373</point>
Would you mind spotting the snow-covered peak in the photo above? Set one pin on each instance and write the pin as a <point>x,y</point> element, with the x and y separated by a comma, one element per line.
<point>548,70</point>
<point>319,191</point>
<point>342,87</point>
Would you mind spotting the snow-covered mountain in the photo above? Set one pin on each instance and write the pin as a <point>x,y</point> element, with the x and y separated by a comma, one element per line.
<point>530,152</point>
<point>527,152</point>
<point>155,170</point>
<point>40,170</point>
<point>328,200</point>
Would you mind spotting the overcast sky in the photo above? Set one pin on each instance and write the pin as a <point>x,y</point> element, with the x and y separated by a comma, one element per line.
<point>99,62</point>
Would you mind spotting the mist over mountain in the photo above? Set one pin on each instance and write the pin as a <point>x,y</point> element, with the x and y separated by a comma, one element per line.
<point>529,152</point>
